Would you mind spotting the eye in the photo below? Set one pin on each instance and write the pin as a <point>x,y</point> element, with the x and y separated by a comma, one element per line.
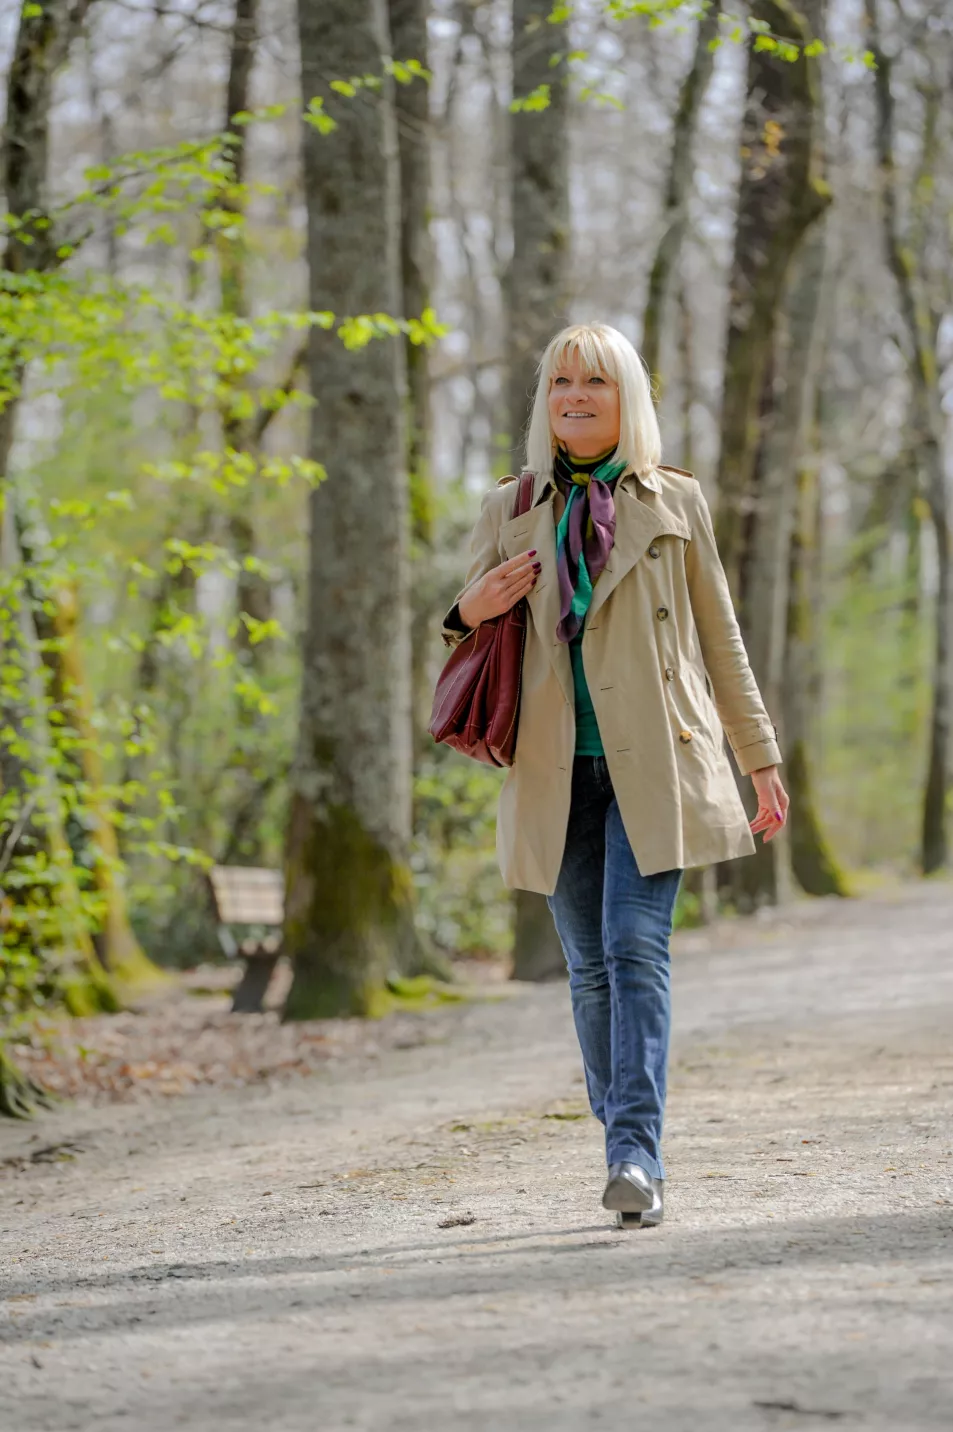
<point>596,379</point>
<point>560,380</point>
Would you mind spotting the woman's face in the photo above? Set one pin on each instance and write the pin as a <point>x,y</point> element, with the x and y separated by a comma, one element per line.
<point>584,410</point>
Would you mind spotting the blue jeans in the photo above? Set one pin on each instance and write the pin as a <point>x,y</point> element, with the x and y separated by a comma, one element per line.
<point>614,926</point>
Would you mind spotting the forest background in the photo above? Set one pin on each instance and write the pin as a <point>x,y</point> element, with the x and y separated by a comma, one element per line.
<point>274,282</point>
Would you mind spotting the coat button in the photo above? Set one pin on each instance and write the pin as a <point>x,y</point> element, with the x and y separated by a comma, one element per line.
<point>669,673</point>
<point>655,550</point>
<point>662,613</point>
<point>684,737</point>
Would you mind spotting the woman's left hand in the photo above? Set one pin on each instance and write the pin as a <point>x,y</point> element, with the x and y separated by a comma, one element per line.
<point>772,803</point>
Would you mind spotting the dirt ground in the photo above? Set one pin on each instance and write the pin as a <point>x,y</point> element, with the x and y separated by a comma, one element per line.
<point>408,1235</point>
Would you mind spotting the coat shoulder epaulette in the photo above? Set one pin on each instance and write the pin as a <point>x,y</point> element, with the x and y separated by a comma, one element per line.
<point>679,471</point>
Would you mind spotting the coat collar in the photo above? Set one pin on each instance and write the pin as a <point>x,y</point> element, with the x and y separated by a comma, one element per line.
<point>544,487</point>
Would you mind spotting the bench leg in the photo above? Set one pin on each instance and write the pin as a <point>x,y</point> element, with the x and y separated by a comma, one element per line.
<point>251,989</point>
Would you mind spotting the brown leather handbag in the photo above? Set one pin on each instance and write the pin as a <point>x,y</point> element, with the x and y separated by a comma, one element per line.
<point>477,698</point>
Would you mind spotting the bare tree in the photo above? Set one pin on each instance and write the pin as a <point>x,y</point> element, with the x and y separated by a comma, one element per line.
<point>408,28</point>
<point>678,186</point>
<point>537,293</point>
<point>781,194</point>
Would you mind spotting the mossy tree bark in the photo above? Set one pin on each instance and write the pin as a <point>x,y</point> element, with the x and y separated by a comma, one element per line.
<point>115,943</point>
<point>537,294</point>
<point>922,321</point>
<point>48,921</point>
<point>678,187</point>
<point>349,890</point>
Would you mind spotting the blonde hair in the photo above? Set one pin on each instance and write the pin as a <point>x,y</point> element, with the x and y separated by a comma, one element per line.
<point>600,349</point>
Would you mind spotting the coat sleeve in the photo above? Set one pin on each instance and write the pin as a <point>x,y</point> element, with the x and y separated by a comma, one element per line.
<point>484,556</point>
<point>750,731</point>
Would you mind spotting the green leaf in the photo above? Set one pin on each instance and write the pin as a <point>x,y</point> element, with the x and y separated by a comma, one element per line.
<point>316,116</point>
<point>532,103</point>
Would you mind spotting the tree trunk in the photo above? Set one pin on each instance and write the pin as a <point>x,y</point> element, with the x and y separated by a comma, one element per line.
<point>764,615</point>
<point>253,595</point>
<point>408,27</point>
<point>537,286</point>
<point>238,90</point>
<point>42,45</point>
<point>764,612</point>
<point>537,306</point>
<point>812,860</point>
<point>780,195</point>
<point>116,945</point>
<point>678,188</point>
<point>349,889</point>
<point>929,426</point>
<point>54,927</point>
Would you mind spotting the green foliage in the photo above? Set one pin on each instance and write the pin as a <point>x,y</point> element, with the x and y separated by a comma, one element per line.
<point>532,103</point>
<point>462,904</point>
<point>874,714</point>
<point>152,737</point>
<point>737,27</point>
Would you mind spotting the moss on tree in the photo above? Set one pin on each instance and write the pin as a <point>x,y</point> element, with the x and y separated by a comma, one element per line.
<point>349,915</point>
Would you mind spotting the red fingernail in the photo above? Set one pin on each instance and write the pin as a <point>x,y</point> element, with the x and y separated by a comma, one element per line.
<point>532,554</point>
<point>537,566</point>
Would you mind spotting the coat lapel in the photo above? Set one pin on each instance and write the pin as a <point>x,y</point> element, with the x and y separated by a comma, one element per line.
<point>636,524</point>
<point>537,529</point>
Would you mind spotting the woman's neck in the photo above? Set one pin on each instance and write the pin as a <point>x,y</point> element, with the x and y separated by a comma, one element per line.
<point>578,460</point>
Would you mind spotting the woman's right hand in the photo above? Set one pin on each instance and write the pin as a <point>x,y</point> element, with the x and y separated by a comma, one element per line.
<point>499,589</point>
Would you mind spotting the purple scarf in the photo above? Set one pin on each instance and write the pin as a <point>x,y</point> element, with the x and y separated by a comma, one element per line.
<point>585,533</point>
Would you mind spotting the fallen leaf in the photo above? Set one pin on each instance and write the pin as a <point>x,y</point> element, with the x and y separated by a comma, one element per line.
<point>457,1220</point>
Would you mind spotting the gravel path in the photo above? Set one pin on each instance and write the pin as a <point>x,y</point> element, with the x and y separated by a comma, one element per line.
<point>411,1237</point>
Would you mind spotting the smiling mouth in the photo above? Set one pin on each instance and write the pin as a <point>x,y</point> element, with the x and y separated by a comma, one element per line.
<point>579,415</point>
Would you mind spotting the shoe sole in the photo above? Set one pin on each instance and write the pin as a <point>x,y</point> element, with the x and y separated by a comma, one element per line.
<point>621,1196</point>
<point>635,1220</point>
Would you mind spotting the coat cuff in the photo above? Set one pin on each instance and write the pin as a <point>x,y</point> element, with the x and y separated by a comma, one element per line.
<point>755,744</point>
<point>454,628</point>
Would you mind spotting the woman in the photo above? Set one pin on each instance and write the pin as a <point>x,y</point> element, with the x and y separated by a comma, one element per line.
<point>620,779</point>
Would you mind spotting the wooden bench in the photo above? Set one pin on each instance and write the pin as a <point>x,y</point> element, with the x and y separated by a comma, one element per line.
<point>250,908</point>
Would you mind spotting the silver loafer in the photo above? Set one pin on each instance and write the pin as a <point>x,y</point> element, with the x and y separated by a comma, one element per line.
<point>637,1199</point>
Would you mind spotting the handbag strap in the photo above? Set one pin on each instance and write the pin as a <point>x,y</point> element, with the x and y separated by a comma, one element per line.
<point>524,494</point>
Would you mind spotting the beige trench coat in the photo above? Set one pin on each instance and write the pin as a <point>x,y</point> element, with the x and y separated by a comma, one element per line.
<point>661,621</point>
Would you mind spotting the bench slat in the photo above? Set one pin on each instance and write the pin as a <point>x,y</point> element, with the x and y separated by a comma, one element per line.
<point>248,894</point>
